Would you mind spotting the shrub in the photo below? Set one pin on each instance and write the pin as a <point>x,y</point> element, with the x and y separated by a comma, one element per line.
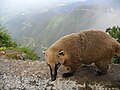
<point>5,39</point>
<point>115,33</point>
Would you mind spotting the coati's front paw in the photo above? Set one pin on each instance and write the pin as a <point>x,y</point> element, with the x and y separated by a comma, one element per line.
<point>65,75</point>
<point>99,73</point>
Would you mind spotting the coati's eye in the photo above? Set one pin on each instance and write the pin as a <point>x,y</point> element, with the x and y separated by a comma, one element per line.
<point>58,65</point>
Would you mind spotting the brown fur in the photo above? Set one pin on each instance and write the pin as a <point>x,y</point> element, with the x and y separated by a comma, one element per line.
<point>84,47</point>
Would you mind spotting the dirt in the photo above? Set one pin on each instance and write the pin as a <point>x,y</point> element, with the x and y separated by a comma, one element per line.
<point>34,75</point>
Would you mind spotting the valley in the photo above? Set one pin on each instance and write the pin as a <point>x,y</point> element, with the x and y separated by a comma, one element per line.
<point>41,27</point>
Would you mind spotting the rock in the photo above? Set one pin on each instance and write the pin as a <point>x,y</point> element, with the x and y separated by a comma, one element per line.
<point>34,75</point>
<point>114,73</point>
<point>13,54</point>
<point>2,52</point>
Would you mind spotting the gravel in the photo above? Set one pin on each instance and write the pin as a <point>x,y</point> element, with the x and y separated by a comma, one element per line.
<point>34,75</point>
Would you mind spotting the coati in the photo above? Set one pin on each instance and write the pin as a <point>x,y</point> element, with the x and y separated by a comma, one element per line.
<point>84,47</point>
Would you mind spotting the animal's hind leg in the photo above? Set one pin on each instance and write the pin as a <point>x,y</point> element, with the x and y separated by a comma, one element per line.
<point>102,66</point>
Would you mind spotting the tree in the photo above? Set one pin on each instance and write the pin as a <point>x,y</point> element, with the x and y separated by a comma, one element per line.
<point>115,33</point>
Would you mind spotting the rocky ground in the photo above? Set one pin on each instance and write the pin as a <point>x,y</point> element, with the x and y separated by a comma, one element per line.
<point>34,75</point>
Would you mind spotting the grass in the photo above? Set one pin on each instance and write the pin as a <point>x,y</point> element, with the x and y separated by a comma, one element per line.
<point>2,48</point>
<point>28,51</point>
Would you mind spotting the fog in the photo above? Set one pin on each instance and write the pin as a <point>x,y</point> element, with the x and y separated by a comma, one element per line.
<point>22,5</point>
<point>110,16</point>
<point>37,25</point>
<point>107,19</point>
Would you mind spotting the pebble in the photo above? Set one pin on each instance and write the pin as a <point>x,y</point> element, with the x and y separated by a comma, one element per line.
<point>30,77</point>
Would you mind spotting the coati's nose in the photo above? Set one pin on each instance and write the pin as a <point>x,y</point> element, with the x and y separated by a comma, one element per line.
<point>53,71</point>
<point>53,77</point>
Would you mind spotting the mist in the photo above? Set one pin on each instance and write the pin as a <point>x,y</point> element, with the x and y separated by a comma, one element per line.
<point>108,17</point>
<point>110,3</point>
<point>39,23</point>
<point>23,5</point>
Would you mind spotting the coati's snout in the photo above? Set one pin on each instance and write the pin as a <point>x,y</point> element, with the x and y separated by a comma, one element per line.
<point>53,61</point>
<point>53,70</point>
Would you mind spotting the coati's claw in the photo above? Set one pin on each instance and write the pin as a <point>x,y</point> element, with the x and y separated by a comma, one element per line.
<point>99,73</point>
<point>65,75</point>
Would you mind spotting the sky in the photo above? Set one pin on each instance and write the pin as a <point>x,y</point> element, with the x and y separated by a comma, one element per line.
<point>27,4</point>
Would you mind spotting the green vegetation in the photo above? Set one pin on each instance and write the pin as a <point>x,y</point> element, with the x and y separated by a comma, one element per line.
<point>32,55</point>
<point>5,39</point>
<point>7,43</point>
<point>115,33</point>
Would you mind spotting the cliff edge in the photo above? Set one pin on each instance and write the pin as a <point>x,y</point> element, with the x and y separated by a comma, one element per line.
<point>34,75</point>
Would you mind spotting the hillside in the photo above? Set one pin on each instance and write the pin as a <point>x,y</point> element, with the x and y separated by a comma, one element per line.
<point>40,28</point>
<point>83,17</point>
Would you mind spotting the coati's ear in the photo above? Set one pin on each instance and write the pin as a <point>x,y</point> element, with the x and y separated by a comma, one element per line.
<point>61,52</point>
<point>43,52</point>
